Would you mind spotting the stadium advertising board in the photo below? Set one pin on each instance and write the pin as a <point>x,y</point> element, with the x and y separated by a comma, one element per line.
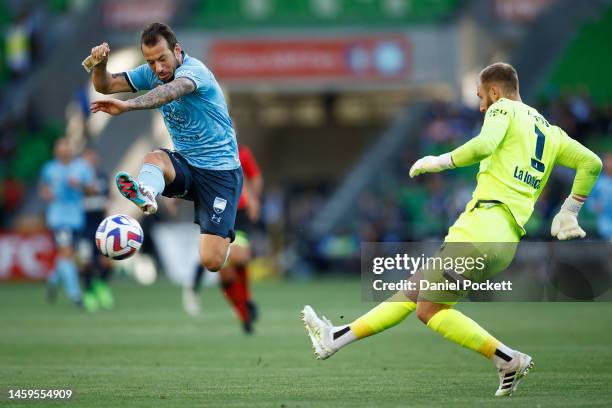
<point>26,256</point>
<point>373,58</point>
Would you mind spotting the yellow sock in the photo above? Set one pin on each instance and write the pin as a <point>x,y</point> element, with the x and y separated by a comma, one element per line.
<point>384,316</point>
<point>458,328</point>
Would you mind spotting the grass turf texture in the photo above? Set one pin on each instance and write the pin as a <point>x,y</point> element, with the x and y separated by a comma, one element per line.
<point>147,352</point>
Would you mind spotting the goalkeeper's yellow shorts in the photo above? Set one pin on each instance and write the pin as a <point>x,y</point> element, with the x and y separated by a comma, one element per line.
<point>486,232</point>
<point>485,221</point>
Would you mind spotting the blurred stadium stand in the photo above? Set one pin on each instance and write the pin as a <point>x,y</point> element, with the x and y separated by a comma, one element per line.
<point>39,43</point>
<point>335,97</point>
<point>301,14</point>
<point>379,210</point>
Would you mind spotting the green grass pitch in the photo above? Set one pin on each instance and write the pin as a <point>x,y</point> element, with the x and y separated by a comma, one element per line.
<point>148,353</point>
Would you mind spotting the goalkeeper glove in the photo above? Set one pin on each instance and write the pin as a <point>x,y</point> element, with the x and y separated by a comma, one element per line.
<point>432,164</point>
<point>565,224</point>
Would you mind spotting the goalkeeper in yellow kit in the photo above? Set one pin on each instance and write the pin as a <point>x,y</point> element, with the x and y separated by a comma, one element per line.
<point>517,149</point>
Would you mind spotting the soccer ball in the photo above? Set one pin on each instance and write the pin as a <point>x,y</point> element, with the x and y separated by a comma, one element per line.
<point>119,236</point>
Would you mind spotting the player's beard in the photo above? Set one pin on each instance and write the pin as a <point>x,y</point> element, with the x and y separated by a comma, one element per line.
<point>176,65</point>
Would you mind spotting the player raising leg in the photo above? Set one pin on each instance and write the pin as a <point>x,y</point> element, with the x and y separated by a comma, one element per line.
<point>204,167</point>
<point>515,140</point>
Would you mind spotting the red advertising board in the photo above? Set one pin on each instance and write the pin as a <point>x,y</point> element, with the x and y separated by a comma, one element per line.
<point>26,256</point>
<point>385,57</point>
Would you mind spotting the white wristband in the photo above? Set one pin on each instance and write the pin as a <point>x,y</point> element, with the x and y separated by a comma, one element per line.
<point>572,205</point>
<point>446,161</point>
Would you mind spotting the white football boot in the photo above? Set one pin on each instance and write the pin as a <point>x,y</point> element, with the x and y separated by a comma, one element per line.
<point>320,331</point>
<point>139,195</point>
<point>511,376</point>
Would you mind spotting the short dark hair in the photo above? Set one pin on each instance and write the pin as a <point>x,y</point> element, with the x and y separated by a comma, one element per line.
<point>501,73</point>
<point>152,33</point>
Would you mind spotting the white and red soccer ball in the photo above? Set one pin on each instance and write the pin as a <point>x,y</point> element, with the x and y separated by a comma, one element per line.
<point>119,236</point>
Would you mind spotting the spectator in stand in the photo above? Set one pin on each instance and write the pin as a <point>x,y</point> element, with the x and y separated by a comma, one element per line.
<point>18,52</point>
<point>12,194</point>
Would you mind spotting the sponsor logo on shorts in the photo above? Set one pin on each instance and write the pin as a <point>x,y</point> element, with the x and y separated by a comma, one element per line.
<point>219,205</point>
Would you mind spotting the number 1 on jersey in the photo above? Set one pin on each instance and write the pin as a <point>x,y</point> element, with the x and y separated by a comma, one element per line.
<point>539,151</point>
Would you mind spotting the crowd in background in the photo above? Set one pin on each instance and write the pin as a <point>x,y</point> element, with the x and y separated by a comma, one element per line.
<point>397,208</point>
<point>22,41</point>
<point>25,142</point>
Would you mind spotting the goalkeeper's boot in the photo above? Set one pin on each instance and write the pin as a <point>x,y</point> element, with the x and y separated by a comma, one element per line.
<point>511,376</point>
<point>138,194</point>
<point>103,295</point>
<point>320,332</point>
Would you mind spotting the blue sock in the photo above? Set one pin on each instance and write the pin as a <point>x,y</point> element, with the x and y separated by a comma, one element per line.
<point>152,176</point>
<point>69,276</point>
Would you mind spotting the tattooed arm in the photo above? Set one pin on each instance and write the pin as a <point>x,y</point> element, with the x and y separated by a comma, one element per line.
<point>162,94</point>
<point>152,99</point>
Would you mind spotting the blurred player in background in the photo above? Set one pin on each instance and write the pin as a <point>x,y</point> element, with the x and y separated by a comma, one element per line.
<point>63,182</point>
<point>205,167</point>
<point>234,278</point>
<point>517,149</point>
<point>600,202</point>
<point>96,269</point>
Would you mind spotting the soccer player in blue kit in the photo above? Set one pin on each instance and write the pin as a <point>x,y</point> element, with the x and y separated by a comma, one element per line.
<point>204,167</point>
<point>63,182</point>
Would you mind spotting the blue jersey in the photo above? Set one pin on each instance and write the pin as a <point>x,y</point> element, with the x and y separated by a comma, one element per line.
<point>199,123</point>
<point>599,202</point>
<point>66,182</point>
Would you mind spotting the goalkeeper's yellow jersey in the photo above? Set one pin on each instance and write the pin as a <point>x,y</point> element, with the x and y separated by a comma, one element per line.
<point>517,149</point>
